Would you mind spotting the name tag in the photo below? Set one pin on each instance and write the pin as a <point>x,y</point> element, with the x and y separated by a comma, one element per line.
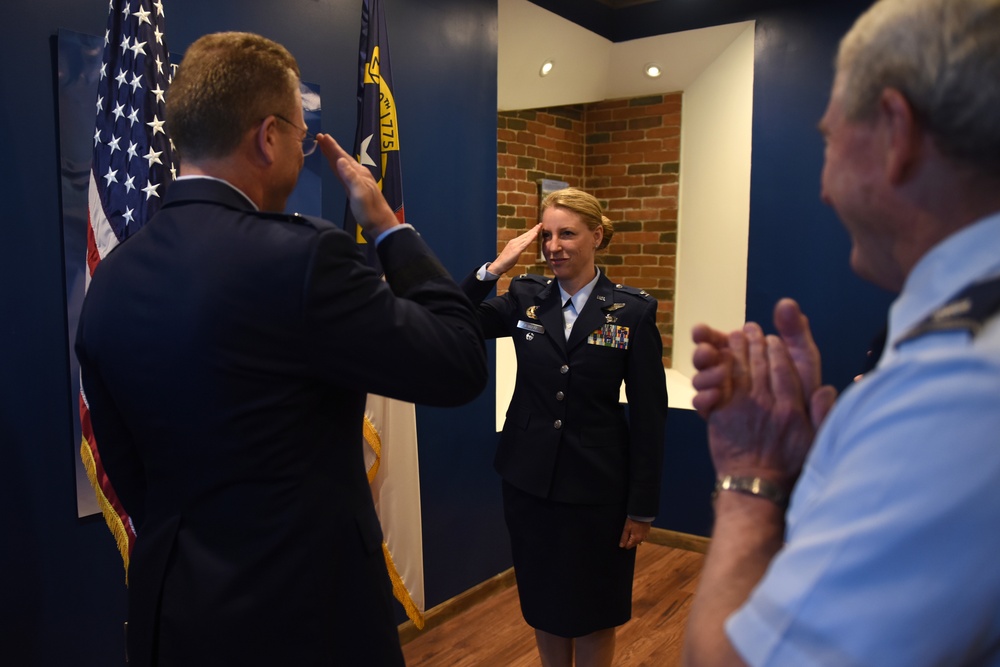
<point>610,335</point>
<point>530,326</point>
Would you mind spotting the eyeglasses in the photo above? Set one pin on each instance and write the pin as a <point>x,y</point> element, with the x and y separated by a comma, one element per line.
<point>308,141</point>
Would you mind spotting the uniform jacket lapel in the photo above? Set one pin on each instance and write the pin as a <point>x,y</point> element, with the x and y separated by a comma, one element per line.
<point>550,314</point>
<point>592,316</point>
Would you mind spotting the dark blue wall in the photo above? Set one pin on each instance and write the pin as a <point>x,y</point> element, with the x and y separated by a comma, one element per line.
<point>62,597</point>
<point>798,247</point>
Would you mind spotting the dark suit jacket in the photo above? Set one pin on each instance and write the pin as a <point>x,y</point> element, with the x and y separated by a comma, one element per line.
<point>225,355</point>
<point>566,437</point>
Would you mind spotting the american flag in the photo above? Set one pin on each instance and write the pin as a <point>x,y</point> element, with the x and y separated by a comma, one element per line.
<point>131,168</point>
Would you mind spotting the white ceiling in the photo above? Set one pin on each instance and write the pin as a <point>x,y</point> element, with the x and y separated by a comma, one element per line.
<point>589,67</point>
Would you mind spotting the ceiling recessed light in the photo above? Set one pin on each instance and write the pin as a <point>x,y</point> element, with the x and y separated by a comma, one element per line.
<point>546,67</point>
<point>652,70</point>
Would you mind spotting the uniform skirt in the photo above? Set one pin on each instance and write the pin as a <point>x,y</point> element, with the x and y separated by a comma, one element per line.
<point>572,577</point>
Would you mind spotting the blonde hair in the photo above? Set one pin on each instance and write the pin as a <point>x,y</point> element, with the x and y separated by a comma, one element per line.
<point>226,84</point>
<point>586,206</point>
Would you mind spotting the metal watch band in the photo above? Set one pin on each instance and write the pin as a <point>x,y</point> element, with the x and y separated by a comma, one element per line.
<point>752,486</point>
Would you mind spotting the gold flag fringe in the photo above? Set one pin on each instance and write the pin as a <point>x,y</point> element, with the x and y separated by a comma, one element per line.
<point>111,517</point>
<point>374,440</point>
<point>399,590</point>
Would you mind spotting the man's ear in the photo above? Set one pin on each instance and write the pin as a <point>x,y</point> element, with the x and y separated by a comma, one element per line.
<point>904,136</point>
<point>264,140</point>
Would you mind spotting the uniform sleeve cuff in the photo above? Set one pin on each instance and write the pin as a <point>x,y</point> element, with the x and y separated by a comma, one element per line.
<point>485,276</point>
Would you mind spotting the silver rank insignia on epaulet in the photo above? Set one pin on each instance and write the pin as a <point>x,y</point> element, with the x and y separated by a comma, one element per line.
<point>632,290</point>
<point>968,310</point>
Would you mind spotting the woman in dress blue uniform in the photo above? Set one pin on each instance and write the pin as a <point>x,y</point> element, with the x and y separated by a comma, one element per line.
<point>581,478</point>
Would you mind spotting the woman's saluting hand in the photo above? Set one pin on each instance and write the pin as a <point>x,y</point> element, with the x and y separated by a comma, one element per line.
<point>512,251</point>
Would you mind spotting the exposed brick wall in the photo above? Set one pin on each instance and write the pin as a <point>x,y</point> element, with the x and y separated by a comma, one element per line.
<point>624,152</point>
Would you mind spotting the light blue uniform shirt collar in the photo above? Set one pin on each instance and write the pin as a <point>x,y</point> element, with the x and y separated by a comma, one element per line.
<point>576,303</point>
<point>579,300</point>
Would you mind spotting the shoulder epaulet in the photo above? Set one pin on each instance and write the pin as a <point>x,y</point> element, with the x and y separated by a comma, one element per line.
<point>295,218</point>
<point>634,291</point>
<point>533,277</point>
<point>968,310</point>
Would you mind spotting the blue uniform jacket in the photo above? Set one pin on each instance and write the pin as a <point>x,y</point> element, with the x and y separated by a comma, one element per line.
<point>566,436</point>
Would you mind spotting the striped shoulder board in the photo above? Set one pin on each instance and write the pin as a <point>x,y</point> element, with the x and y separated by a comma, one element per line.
<point>969,310</point>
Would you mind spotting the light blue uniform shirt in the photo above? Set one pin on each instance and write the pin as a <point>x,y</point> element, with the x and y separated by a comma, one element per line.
<point>573,305</point>
<point>893,531</point>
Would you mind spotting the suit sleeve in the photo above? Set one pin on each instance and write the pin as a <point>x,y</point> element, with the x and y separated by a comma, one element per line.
<point>413,337</point>
<point>646,389</point>
<point>116,445</point>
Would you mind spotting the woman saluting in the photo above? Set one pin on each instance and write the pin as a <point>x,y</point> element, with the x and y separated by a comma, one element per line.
<point>581,480</point>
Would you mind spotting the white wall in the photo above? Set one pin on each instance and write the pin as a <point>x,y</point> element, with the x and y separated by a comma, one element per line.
<point>588,67</point>
<point>527,36</point>
<point>714,206</point>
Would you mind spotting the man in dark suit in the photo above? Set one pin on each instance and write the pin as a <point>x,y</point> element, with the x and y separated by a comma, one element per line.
<point>226,351</point>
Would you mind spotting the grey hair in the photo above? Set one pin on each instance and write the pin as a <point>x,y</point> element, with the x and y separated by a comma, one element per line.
<point>944,57</point>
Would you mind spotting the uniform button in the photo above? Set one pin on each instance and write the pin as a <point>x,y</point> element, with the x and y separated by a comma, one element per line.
<point>560,396</point>
<point>558,423</point>
<point>564,369</point>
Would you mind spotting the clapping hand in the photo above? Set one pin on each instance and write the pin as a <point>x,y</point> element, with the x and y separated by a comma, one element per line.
<point>761,395</point>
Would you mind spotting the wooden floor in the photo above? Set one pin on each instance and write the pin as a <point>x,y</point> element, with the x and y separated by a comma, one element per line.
<point>493,633</point>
